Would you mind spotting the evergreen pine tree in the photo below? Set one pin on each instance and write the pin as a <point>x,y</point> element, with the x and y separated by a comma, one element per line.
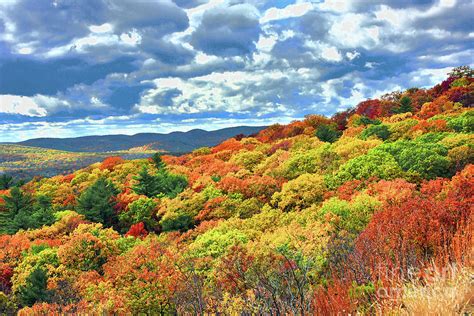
<point>18,209</point>
<point>147,184</point>
<point>96,203</point>
<point>327,133</point>
<point>158,162</point>
<point>6,181</point>
<point>405,105</point>
<point>43,213</point>
<point>35,289</point>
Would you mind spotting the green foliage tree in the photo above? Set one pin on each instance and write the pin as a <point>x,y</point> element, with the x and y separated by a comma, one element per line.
<point>405,105</point>
<point>378,164</point>
<point>43,212</point>
<point>147,184</point>
<point>6,181</point>
<point>158,162</point>
<point>170,184</point>
<point>426,159</point>
<point>172,221</point>
<point>18,209</point>
<point>316,160</point>
<point>22,212</point>
<point>462,71</point>
<point>463,123</point>
<point>381,131</point>
<point>35,289</point>
<point>364,120</point>
<point>96,203</point>
<point>327,133</point>
<point>142,210</point>
<point>163,182</point>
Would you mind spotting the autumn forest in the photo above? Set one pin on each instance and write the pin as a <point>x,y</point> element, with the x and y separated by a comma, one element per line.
<point>368,211</point>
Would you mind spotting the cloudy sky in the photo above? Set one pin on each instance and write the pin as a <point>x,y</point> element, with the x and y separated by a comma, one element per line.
<point>80,67</point>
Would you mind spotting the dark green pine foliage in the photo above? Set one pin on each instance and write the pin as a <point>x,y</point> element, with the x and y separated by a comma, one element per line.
<point>6,181</point>
<point>18,208</point>
<point>405,105</point>
<point>162,183</point>
<point>22,212</point>
<point>35,290</point>
<point>381,131</point>
<point>147,184</point>
<point>170,184</point>
<point>158,162</point>
<point>327,133</point>
<point>97,203</point>
<point>43,212</point>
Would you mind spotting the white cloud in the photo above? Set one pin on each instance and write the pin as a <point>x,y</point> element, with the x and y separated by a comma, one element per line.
<point>335,5</point>
<point>132,38</point>
<point>290,11</point>
<point>13,104</point>
<point>266,43</point>
<point>202,58</point>
<point>352,55</point>
<point>324,51</point>
<point>25,50</point>
<point>331,54</point>
<point>349,31</point>
<point>236,92</point>
<point>104,28</point>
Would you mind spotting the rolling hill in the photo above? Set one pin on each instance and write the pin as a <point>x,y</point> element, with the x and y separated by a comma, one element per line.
<point>175,142</point>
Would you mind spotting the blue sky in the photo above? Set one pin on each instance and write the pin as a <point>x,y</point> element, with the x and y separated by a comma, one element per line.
<point>72,68</point>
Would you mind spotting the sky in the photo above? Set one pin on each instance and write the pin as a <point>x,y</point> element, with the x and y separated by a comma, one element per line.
<point>92,67</point>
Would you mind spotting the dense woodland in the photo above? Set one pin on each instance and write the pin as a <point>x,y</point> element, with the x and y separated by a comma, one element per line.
<point>369,211</point>
<point>24,163</point>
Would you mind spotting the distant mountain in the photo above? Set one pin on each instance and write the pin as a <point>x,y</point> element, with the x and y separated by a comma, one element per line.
<point>175,142</point>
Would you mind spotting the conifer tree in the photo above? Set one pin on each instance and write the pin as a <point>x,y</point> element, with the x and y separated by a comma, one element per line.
<point>43,213</point>
<point>158,162</point>
<point>96,203</point>
<point>18,209</point>
<point>6,181</point>
<point>405,105</point>
<point>35,289</point>
<point>146,185</point>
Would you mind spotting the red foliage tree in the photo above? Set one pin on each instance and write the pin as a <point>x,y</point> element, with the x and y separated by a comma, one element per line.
<point>68,178</point>
<point>431,126</point>
<point>414,230</point>
<point>370,108</point>
<point>231,144</point>
<point>137,230</point>
<point>109,163</point>
<point>6,273</point>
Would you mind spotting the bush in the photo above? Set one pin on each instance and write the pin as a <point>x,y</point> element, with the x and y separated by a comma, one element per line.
<point>375,163</point>
<point>327,133</point>
<point>464,123</point>
<point>381,131</point>
<point>427,159</point>
<point>176,221</point>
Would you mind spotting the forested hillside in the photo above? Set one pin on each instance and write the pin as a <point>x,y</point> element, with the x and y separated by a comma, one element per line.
<point>368,211</point>
<point>175,142</point>
<point>23,163</point>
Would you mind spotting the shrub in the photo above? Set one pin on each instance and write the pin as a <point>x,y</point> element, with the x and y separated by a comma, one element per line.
<point>381,131</point>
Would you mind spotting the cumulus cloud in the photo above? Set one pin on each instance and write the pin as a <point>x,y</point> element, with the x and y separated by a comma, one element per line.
<point>14,104</point>
<point>175,64</point>
<point>290,11</point>
<point>228,31</point>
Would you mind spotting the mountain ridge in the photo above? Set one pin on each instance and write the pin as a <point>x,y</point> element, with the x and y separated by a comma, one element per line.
<point>173,142</point>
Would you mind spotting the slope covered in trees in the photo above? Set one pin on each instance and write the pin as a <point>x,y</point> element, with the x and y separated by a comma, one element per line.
<point>368,211</point>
